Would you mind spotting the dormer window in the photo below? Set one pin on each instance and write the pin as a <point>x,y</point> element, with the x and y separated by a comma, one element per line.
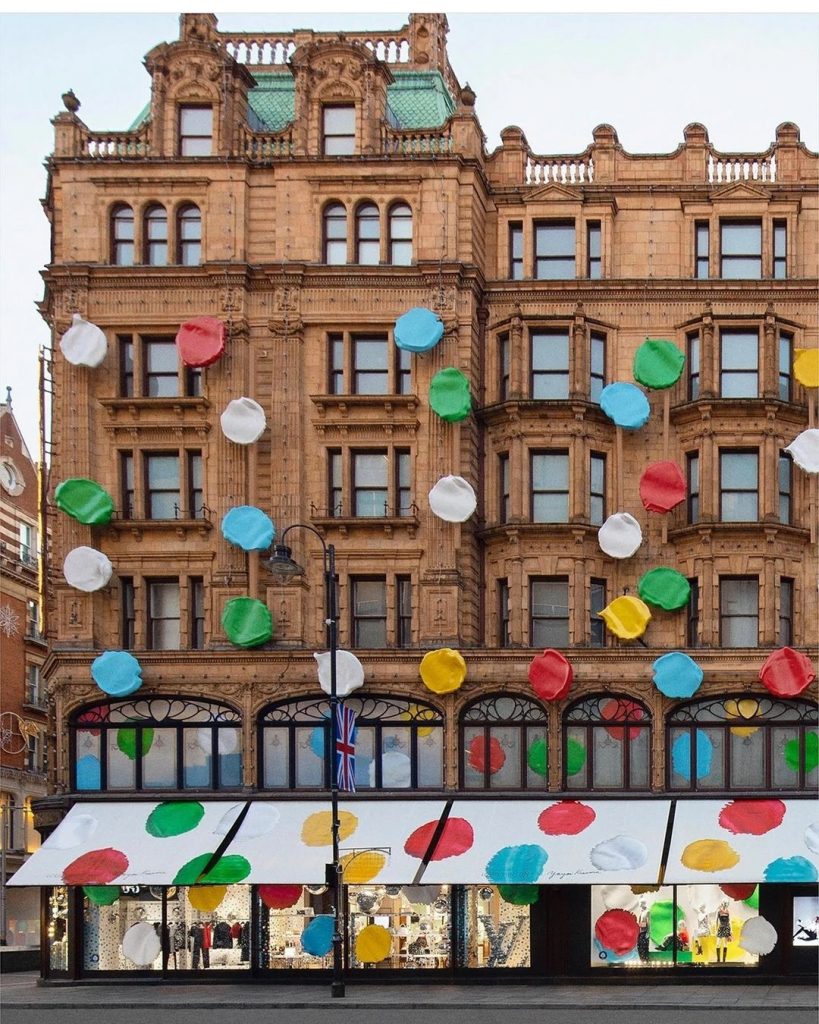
<point>195,131</point>
<point>338,131</point>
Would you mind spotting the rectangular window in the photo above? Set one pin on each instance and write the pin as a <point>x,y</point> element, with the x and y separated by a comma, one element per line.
<point>34,753</point>
<point>785,611</point>
<point>34,693</point>
<point>739,487</point>
<point>516,251</point>
<point>335,385</point>
<point>163,615</point>
<point>504,366</point>
<point>127,613</point>
<point>369,607</point>
<point>550,487</point>
<point>597,364</point>
<point>785,487</point>
<point>554,250</point>
<point>594,264</point>
<point>403,370</point>
<point>338,130</point>
<point>692,638</point>
<point>193,381</point>
<point>28,544</point>
<point>370,484</point>
<point>162,486</point>
<point>503,486</point>
<point>739,611</point>
<point>160,368</point>
<point>335,503</point>
<point>127,489</point>
<point>196,487</point>
<point>739,370</point>
<point>403,483</point>
<point>692,466</point>
<point>503,613</point>
<point>197,613</point>
<point>33,619</point>
<point>126,366</point>
<point>403,611</point>
<point>550,364</point>
<point>370,366</point>
<point>785,364</point>
<point>549,603</point>
<point>741,248</point>
<point>780,249</point>
<point>597,489</point>
<point>693,345</point>
<point>701,250</point>
<point>597,602</point>
<point>195,131</point>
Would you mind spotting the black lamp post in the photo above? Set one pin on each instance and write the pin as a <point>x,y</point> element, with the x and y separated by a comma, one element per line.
<point>282,564</point>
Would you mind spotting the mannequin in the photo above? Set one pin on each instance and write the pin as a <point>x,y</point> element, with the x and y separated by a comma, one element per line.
<point>723,930</point>
<point>703,928</point>
<point>643,917</point>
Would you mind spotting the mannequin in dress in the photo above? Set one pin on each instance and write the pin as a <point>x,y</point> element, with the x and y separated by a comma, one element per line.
<point>703,928</point>
<point>723,930</point>
<point>643,922</point>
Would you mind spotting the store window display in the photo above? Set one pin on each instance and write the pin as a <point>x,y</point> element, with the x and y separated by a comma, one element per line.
<point>669,926</point>
<point>285,915</point>
<point>806,921</point>
<point>495,930</point>
<point>417,919</point>
<point>57,929</point>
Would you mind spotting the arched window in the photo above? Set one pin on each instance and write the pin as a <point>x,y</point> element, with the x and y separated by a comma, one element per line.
<point>189,236</point>
<point>504,744</point>
<point>742,743</point>
<point>156,743</point>
<point>400,238</point>
<point>399,744</point>
<point>367,235</point>
<point>335,234</point>
<point>122,236</point>
<point>155,238</point>
<point>607,744</point>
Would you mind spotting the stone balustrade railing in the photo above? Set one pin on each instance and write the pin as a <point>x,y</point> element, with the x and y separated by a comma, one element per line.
<point>265,145</point>
<point>254,50</point>
<point>114,145</point>
<point>564,170</point>
<point>725,167</point>
<point>422,142</point>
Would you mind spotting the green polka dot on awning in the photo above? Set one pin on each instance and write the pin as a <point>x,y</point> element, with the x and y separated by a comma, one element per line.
<point>174,818</point>
<point>227,870</point>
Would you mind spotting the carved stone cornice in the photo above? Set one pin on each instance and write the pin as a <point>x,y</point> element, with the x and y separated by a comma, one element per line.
<point>375,429</point>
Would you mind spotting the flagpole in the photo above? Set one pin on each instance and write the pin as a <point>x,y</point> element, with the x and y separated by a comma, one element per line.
<point>337,985</point>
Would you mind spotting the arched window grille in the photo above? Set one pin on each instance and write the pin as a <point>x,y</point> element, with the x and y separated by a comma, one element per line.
<point>368,234</point>
<point>607,744</point>
<point>399,744</point>
<point>400,235</point>
<point>189,236</point>
<point>504,744</point>
<point>155,240</point>
<point>155,743</point>
<point>742,743</point>
<point>122,236</point>
<point>334,234</point>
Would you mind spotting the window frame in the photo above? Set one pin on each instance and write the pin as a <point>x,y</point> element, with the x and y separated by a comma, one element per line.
<point>539,342</point>
<point>196,613</point>
<point>725,618</point>
<point>598,634</point>
<point>154,496</point>
<point>515,250</point>
<point>503,487</point>
<point>535,492</point>
<point>586,714</point>
<point>534,619</point>
<point>702,260</point>
<point>486,717</point>
<point>737,491</point>
<point>785,365</point>
<point>395,241</point>
<point>692,621</point>
<point>693,366</point>
<point>403,611</point>
<point>328,109</point>
<point>543,261</point>
<point>504,366</point>
<point>785,632</point>
<point>357,619</point>
<point>504,638</point>
<point>188,248</point>
<point>367,213</point>
<point>785,493</point>
<point>725,335</point>
<point>123,248</point>
<point>154,250</point>
<point>127,612</point>
<point>186,137</point>
<point>597,373</point>
<point>594,263</point>
<point>779,253</point>
<point>692,487</point>
<point>154,622</point>
<point>727,259</point>
<point>598,458</point>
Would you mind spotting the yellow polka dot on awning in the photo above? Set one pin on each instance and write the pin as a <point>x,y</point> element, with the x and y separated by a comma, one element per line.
<point>709,855</point>
<point>317,829</point>
<point>361,867</point>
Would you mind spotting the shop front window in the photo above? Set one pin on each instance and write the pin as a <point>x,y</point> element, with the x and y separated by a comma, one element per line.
<point>298,935</point>
<point>399,926</point>
<point>504,744</point>
<point>670,926</point>
<point>496,933</point>
<point>57,929</point>
<point>805,921</point>
<point>607,744</point>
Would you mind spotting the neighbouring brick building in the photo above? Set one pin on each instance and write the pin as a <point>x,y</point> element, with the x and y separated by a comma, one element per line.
<point>308,189</point>
<point>22,695</point>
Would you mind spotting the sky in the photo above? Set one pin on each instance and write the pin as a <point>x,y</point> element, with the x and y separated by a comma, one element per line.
<point>555,75</point>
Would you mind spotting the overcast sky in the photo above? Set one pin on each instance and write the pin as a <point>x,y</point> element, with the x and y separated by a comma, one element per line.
<point>557,76</point>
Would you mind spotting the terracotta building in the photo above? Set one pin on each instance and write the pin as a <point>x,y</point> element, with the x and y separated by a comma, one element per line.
<point>307,190</point>
<point>22,694</point>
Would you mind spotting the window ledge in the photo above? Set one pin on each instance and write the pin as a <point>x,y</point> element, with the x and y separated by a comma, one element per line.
<point>344,403</point>
<point>704,530</point>
<point>181,527</point>
<point>388,524</point>
<point>511,531</point>
<point>135,407</point>
<point>578,408</point>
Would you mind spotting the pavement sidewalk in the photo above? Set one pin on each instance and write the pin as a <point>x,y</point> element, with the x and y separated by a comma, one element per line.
<point>22,991</point>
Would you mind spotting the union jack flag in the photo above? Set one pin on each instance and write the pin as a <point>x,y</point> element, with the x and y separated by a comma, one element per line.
<point>345,748</point>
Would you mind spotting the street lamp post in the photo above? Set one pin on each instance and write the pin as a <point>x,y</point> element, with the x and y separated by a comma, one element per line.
<point>282,564</point>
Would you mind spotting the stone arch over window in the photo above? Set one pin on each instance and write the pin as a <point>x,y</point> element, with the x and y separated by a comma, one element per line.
<point>334,233</point>
<point>742,743</point>
<point>155,743</point>
<point>399,744</point>
<point>367,234</point>
<point>189,235</point>
<point>607,744</point>
<point>122,235</point>
<point>504,743</point>
<point>155,235</point>
<point>399,219</point>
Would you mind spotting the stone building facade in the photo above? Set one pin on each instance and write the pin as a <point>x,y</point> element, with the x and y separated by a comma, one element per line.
<point>308,190</point>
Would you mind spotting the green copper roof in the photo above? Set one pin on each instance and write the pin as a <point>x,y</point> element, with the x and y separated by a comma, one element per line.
<point>272,103</point>
<point>418,99</point>
<point>140,118</point>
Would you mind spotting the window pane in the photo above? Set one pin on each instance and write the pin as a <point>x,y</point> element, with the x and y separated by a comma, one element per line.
<point>639,758</point>
<point>784,744</point>
<point>87,767</point>
<point>607,754</point>
<point>339,120</point>
<point>739,470</point>
<point>747,758</point>
<point>159,762</point>
<point>550,352</point>
<point>576,763</point>
<point>739,351</point>
<point>550,471</point>
<point>196,760</point>
<point>311,743</point>
<point>276,758</point>
<point>196,120</point>
<point>555,240</point>
<point>121,767</point>
<point>371,633</point>
<point>741,267</point>
<point>742,239</point>
<point>230,757</point>
<point>550,508</point>
<point>554,269</point>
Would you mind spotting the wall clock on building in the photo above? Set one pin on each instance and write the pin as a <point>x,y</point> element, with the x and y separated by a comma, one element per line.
<point>11,479</point>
